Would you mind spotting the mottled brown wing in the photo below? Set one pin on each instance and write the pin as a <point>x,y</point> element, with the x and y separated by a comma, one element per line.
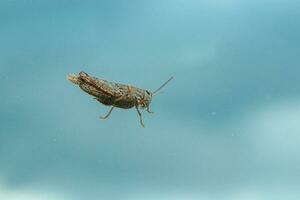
<point>98,84</point>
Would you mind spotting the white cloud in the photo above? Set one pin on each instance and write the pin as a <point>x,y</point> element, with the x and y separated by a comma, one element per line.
<point>275,129</point>
<point>242,193</point>
<point>22,194</point>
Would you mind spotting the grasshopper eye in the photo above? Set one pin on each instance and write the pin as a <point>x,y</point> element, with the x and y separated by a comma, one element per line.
<point>148,92</point>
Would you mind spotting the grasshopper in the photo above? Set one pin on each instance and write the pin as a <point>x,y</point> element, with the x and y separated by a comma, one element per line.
<point>115,94</point>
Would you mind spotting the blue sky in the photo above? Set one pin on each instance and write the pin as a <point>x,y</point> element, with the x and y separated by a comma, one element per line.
<point>226,127</point>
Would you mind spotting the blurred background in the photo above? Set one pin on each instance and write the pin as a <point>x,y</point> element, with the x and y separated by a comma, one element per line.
<point>226,127</point>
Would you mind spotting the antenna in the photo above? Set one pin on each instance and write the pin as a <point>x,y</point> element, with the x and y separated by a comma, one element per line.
<point>163,85</point>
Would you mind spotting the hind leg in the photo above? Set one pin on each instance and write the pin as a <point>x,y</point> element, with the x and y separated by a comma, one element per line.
<point>109,112</point>
<point>140,115</point>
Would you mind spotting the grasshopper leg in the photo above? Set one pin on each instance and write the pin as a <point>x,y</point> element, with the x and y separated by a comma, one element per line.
<point>140,115</point>
<point>106,116</point>
<point>149,111</point>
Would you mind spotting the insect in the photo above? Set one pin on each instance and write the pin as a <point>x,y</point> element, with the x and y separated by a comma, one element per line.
<point>115,94</point>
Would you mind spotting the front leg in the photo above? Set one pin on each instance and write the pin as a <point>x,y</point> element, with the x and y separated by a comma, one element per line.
<point>106,116</point>
<point>140,115</point>
<point>149,111</point>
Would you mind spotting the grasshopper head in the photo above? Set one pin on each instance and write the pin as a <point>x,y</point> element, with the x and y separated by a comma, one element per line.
<point>146,99</point>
